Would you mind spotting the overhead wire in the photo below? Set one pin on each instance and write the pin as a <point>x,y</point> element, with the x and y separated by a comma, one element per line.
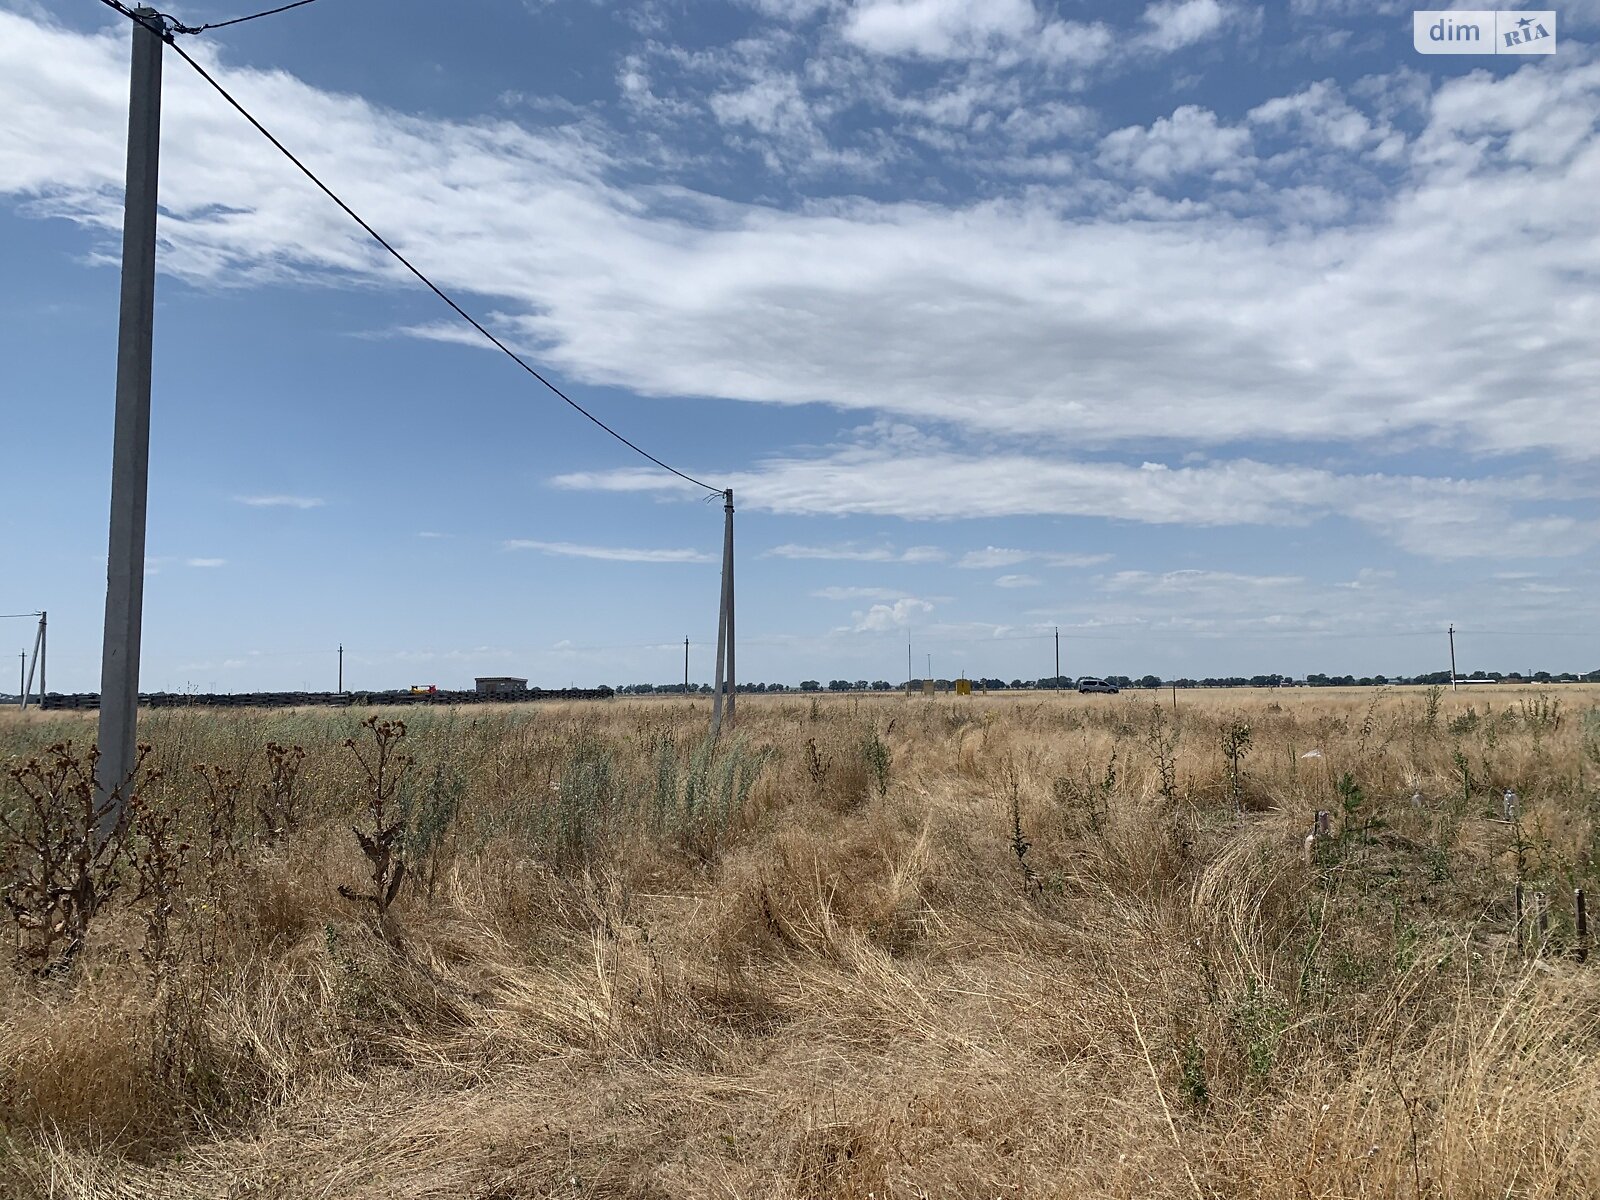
<point>164,27</point>
<point>178,27</point>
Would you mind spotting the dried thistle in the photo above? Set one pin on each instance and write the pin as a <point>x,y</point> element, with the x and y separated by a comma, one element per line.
<point>58,869</point>
<point>384,843</point>
<point>223,786</point>
<point>278,806</point>
<point>158,858</point>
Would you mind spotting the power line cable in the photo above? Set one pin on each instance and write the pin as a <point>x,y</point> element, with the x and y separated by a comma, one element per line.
<point>178,27</point>
<point>161,27</point>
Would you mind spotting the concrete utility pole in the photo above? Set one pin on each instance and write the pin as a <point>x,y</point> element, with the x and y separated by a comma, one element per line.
<point>341,668</point>
<point>22,679</point>
<point>37,665</point>
<point>733,687</point>
<point>130,456</point>
<point>1058,658</point>
<point>685,666</point>
<point>908,665</point>
<point>725,638</point>
<point>1452,658</point>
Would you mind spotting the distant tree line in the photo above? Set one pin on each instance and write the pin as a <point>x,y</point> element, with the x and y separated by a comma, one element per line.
<point>1149,682</point>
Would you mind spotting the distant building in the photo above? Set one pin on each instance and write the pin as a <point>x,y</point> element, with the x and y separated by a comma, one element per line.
<point>500,685</point>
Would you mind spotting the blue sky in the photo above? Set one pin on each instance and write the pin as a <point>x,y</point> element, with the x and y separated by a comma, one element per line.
<point>1227,338</point>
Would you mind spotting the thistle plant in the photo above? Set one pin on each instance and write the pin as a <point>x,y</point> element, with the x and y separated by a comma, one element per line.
<point>158,857</point>
<point>278,806</point>
<point>1161,740</point>
<point>223,786</point>
<point>58,869</point>
<point>1235,745</point>
<point>383,842</point>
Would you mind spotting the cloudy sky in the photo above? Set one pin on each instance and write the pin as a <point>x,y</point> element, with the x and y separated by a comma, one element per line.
<point>1227,338</point>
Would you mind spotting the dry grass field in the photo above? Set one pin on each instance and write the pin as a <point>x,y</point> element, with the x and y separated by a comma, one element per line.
<point>1022,946</point>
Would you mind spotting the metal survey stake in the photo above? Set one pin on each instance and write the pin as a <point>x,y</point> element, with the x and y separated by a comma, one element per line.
<point>130,456</point>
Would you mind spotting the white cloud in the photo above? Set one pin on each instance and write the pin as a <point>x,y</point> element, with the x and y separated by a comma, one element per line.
<point>991,557</point>
<point>938,28</point>
<point>846,553</point>
<point>1433,517</point>
<point>281,501</point>
<point>1369,577</point>
<point>999,32</point>
<point>205,562</point>
<point>1188,581</point>
<point>428,533</point>
<point>1455,317</point>
<point>772,105</point>
<point>882,617</point>
<point>1174,24</point>
<point>1017,581</point>
<point>1320,113</point>
<point>611,553</point>
<point>1190,140</point>
<point>858,593</point>
<point>790,10</point>
<point>1047,122</point>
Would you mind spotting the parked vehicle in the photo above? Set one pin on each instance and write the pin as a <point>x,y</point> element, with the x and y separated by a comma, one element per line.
<point>1090,684</point>
<point>424,689</point>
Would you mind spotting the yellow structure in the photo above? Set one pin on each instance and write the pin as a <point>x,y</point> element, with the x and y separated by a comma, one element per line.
<point>963,687</point>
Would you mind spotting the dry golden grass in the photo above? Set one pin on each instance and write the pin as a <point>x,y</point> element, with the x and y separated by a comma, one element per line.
<point>813,964</point>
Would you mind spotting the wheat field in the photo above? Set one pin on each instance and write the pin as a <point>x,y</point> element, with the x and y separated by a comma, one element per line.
<point>1003,946</point>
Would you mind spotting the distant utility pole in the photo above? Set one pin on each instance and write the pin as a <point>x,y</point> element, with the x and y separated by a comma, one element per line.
<point>1058,658</point>
<point>685,666</point>
<point>725,638</point>
<point>22,679</point>
<point>1452,658</point>
<point>130,455</point>
<point>908,664</point>
<point>341,668</point>
<point>930,665</point>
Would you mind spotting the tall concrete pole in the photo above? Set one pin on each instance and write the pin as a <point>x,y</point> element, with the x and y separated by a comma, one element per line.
<point>43,657</point>
<point>722,646</point>
<point>27,680</point>
<point>130,455</point>
<point>727,553</point>
<point>1452,658</point>
<point>1058,658</point>
<point>725,672</point>
<point>685,666</point>
<point>22,680</point>
<point>341,668</point>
